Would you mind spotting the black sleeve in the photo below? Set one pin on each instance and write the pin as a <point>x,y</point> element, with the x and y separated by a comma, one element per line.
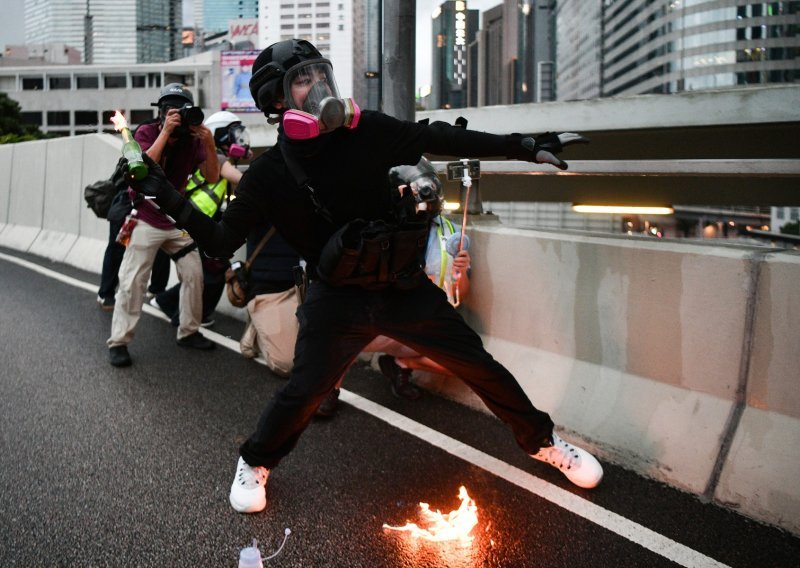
<point>444,139</point>
<point>221,239</point>
<point>405,141</point>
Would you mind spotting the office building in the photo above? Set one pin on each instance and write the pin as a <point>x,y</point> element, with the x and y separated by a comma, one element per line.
<point>578,49</point>
<point>453,28</point>
<point>673,46</point>
<point>108,31</point>
<point>513,57</point>
<point>330,26</point>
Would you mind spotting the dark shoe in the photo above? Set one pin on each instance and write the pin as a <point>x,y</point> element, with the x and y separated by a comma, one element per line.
<point>328,406</point>
<point>399,378</point>
<point>106,304</point>
<point>196,341</point>
<point>207,322</point>
<point>119,356</point>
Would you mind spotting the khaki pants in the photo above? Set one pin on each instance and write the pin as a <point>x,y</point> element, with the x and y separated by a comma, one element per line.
<point>135,272</point>
<point>272,330</point>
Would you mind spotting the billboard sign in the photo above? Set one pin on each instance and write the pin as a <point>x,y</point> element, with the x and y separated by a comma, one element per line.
<point>243,33</point>
<point>236,68</point>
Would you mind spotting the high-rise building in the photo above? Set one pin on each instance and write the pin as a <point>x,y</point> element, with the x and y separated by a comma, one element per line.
<point>212,16</point>
<point>641,46</point>
<point>579,49</point>
<point>514,59</point>
<point>453,28</point>
<point>108,31</point>
<point>330,26</point>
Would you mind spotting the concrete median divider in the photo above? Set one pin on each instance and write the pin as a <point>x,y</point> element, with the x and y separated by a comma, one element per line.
<point>678,360</point>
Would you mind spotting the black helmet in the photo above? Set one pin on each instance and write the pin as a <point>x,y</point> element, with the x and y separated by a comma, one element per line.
<point>266,84</point>
<point>174,94</point>
<point>423,174</point>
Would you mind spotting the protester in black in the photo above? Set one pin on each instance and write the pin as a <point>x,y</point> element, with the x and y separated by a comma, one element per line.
<point>346,170</point>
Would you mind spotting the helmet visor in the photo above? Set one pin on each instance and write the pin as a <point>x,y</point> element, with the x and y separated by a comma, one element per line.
<point>238,135</point>
<point>307,84</point>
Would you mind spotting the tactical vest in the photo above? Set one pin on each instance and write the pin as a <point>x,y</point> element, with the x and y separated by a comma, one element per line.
<point>207,197</point>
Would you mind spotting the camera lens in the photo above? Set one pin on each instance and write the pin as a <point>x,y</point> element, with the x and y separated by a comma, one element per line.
<point>425,192</point>
<point>192,115</point>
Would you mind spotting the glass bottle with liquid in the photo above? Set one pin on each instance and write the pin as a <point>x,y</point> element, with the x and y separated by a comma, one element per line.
<point>132,152</point>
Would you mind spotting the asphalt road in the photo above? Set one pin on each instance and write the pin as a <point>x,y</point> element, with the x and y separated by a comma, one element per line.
<point>131,467</point>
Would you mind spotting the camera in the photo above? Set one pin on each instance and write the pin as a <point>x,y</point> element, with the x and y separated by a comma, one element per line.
<point>191,115</point>
<point>426,190</point>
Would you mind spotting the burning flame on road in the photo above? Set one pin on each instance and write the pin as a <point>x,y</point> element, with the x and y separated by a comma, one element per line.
<point>455,525</point>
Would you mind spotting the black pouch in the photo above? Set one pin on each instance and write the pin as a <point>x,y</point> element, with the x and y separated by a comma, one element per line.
<point>100,195</point>
<point>121,207</point>
<point>374,255</point>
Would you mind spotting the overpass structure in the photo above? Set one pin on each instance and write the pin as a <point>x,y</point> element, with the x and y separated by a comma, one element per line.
<point>678,360</point>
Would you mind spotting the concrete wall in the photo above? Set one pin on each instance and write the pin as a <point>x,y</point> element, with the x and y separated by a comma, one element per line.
<point>42,210</point>
<point>676,360</point>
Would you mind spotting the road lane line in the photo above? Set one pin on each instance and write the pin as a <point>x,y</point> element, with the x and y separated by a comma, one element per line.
<point>626,528</point>
<point>601,516</point>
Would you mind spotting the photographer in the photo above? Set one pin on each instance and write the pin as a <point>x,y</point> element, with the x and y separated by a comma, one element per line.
<point>180,144</point>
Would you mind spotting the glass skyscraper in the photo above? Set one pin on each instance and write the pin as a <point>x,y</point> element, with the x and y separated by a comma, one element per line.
<point>108,31</point>
<point>670,46</point>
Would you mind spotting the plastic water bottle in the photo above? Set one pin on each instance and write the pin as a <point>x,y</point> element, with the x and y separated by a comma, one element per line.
<point>124,235</point>
<point>250,557</point>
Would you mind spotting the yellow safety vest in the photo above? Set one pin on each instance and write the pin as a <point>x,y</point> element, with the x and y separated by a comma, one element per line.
<point>207,197</point>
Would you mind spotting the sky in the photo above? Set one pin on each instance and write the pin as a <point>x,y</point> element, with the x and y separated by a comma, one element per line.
<point>12,28</point>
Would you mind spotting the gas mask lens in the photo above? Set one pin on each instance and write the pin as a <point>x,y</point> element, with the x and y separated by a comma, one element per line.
<point>308,84</point>
<point>315,106</point>
<point>239,141</point>
<point>239,135</point>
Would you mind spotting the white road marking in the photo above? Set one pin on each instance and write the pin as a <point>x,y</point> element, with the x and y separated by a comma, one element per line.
<point>601,516</point>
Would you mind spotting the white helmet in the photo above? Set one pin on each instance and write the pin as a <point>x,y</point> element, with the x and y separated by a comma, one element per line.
<point>228,132</point>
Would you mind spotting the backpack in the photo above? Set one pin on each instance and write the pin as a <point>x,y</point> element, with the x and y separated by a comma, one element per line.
<point>100,194</point>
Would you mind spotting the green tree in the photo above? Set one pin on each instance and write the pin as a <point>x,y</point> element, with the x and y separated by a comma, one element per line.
<point>791,228</point>
<point>12,127</point>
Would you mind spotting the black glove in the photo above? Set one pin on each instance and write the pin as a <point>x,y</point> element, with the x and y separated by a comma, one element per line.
<point>155,184</point>
<point>543,148</point>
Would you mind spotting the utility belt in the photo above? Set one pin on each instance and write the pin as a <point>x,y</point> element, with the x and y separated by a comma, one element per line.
<point>375,255</point>
<point>371,254</point>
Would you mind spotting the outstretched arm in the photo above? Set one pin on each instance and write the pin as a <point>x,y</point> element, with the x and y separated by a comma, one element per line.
<point>443,139</point>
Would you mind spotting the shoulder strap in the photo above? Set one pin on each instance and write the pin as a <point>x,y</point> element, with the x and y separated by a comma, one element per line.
<point>302,180</point>
<point>262,243</point>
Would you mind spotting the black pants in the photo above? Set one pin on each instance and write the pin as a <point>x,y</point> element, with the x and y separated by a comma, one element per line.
<point>213,286</point>
<point>112,260</point>
<point>337,323</point>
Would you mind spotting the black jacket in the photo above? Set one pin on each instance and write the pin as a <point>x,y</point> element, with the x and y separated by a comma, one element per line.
<point>348,170</point>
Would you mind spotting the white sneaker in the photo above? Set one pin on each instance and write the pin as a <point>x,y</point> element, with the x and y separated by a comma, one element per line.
<point>249,488</point>
<point>580,467</point>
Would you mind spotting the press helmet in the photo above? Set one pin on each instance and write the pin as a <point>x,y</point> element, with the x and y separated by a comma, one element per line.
<point>230,135</point>
<point>270,67</point>
<point>219,124</point>
<point>174,94</point>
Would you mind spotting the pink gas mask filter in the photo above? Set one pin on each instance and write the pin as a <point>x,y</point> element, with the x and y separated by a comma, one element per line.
<point>333,113</point>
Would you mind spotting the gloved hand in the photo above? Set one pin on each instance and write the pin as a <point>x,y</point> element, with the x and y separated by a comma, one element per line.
<point>155,184</point>
<point>543,148</point>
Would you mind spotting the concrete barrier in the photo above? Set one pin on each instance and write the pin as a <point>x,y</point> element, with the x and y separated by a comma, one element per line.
<point>643,350</point>
<point>678,360</point>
